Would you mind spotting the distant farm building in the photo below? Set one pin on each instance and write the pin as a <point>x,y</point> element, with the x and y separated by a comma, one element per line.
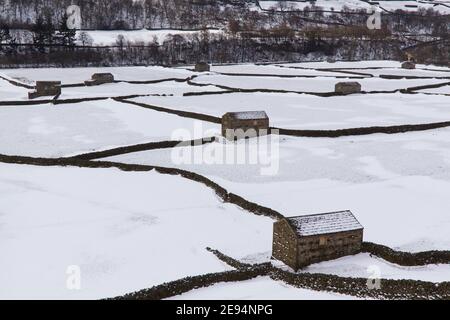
<point>46,88</point>
<point>410,57</point>
<point>248,124</point>
<point>347,87</point>
<point>202,67</point>
<point>408,65</point>
<point>300,241</point>
<point>100,78</point>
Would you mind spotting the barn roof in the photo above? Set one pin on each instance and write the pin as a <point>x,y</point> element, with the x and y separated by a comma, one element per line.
<point>248,115</point>
<point>325,223</point>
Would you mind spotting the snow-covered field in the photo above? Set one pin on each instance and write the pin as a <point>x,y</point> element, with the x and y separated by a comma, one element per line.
<point>124,89</point>
<point>358,266</point>
<point>11,92</point>
<point>301,111</point>
<point>319,84</point>
<point>128,231</point>
<point>324,4</point>
<point>68,129</point>
<point>387,181</point>
<point>271,70</point>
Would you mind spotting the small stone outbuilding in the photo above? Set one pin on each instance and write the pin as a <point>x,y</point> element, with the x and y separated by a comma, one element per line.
<point>303,240</point>
<point>408,65</point>
<point>202,67</point>
<point>45,88</point>
<point>100,78</point>
<point>347,87</point>
<point>247,124</point>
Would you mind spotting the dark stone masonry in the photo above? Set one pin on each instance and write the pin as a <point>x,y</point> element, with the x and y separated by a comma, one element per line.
<point>46,88</point>
<point>241,125</point>
<point>301,241</point>
<point>347,87</point>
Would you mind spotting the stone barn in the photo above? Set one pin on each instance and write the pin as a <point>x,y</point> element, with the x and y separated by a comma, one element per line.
<point>45,88</point>
<point>247,124</point>
<point>408,65</point>
<point>303,240</point>
<point>100,78</point>
<point>347,87</point>
<point>202,67</point>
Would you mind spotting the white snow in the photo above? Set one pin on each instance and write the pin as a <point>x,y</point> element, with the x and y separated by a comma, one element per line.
<point>412,6</point>
<point>132,230</point>
<point>79,75</point>
<point>318,84</point>
<point>344,64</point>
<point>246,115</point>
<point>395,185</point>
<point>125,89</point>
<point>441,90</point>
<point>125,231</point>
<point>324,223</point>
<point>301,111</point>
<point>11,92</point>
<point>335,5</point>
<point>109,37</point>
<point>270,70</point>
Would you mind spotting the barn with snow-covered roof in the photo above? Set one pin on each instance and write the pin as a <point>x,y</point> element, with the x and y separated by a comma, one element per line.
<point>300,241</point>
<point>245,124</point>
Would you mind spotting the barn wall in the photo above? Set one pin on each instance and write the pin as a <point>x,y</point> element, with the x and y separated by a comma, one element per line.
<point>284,247</point>
<point>336,245</point>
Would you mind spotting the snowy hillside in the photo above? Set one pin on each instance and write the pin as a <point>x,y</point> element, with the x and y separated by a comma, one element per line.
<point>338,5</point>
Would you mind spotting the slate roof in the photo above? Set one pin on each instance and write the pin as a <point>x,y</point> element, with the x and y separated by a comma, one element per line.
<point>248,115</point>
<point>325,223</point>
